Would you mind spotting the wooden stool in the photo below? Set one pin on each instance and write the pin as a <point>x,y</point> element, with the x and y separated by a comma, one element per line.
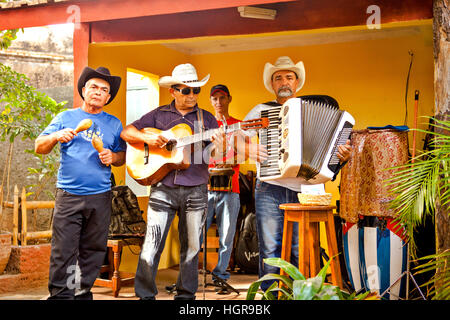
<point>117,279</point>
<point>308,218</point>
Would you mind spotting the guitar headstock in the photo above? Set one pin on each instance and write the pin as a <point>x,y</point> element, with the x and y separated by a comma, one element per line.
<point>254,124</point>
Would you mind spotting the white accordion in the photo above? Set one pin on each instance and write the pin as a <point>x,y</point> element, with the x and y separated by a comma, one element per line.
<point>302,141</point>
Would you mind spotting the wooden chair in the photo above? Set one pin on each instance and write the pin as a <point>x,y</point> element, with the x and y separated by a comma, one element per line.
<point>212,245</point>
<point>308,218</point>
<point>116,278</point>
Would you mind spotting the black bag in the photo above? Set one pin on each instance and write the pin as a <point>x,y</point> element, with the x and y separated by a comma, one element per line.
<point>126,216</point>
<point>246,193</point>
<point>246,253</point>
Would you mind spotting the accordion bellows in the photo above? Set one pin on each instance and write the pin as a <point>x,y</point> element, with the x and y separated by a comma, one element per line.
<point>302,140</point>
<point>314,199</point>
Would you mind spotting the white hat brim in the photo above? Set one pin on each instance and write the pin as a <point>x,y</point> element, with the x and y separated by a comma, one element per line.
<point>270,69</point>
<point>169,81</point>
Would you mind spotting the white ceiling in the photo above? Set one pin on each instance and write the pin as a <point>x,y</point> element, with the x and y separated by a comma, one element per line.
<point>259,42</point>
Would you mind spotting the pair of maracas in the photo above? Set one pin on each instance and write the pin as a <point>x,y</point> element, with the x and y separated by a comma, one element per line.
<point>85,124</point>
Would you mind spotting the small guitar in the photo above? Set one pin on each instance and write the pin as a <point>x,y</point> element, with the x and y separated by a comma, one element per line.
<point>149,165</point>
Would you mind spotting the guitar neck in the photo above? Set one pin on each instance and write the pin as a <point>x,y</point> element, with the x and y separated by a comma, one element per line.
<point>205,135</point>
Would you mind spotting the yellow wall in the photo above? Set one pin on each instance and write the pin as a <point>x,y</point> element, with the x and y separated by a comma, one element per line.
<point>367,78</point>
<point>118,59</point>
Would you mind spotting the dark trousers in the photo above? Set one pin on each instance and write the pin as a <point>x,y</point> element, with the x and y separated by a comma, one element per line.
<point>79,236</point>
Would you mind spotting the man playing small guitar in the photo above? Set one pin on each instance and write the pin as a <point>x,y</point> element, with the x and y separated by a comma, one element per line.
<point>183,189</point>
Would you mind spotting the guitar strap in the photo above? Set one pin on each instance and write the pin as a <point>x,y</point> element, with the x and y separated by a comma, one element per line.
<point>200,120</point>
<point>201,124</point>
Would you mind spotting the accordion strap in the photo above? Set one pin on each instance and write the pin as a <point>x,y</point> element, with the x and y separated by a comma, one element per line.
<point>272,104</point>
<point>313,98</point>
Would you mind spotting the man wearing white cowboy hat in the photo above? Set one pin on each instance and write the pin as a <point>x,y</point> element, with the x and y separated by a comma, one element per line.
<point>284,79</point>
<point>182,191</point>
<point>83,198</point>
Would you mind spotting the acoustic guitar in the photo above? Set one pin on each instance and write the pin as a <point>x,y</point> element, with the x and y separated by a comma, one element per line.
<point>149,165</point>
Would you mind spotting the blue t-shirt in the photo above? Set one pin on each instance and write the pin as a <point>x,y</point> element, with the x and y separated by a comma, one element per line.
<point>81,171</point>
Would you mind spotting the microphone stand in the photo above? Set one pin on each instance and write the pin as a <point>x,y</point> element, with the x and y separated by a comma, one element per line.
<point>220,283</point>
<point>408,272</point>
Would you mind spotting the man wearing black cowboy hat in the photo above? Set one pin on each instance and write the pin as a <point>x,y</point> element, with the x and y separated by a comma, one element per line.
<point>83,196</point>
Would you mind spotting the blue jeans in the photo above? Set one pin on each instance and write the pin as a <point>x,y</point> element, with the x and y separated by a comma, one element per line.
<point>164,202</point>
<point>269,225</point>
<point>225,205</point>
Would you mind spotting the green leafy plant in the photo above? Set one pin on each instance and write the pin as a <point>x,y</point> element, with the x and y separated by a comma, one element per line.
<point>7,36</point>
<point>25,112</point>
<point>45,170</point>
<point>296,287</point>
<point>418,188</point>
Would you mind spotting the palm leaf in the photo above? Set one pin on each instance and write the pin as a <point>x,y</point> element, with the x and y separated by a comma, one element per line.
<point>418,186</point>
<point>437,262</point>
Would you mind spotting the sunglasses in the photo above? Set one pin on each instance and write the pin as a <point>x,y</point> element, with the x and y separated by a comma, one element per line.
<point>187,90</point>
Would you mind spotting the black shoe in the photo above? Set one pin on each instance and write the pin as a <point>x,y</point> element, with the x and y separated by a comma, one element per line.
<point>223,290</point>
<point>217,285</point>
<point>84,295</point>
<point>172,288</point>
<point>184,298</point>
<point>220,288</point>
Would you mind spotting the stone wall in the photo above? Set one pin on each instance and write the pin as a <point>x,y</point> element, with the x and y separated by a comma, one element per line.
<point>45,56</point>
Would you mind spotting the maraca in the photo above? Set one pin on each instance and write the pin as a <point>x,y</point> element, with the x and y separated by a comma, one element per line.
<point>83,125</point>
<point>98,144</point>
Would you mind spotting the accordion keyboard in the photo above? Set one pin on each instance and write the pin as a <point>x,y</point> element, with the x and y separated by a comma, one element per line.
<point>270,137</point>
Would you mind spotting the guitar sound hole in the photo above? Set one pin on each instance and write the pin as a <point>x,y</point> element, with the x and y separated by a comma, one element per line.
<point>171,144</point>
